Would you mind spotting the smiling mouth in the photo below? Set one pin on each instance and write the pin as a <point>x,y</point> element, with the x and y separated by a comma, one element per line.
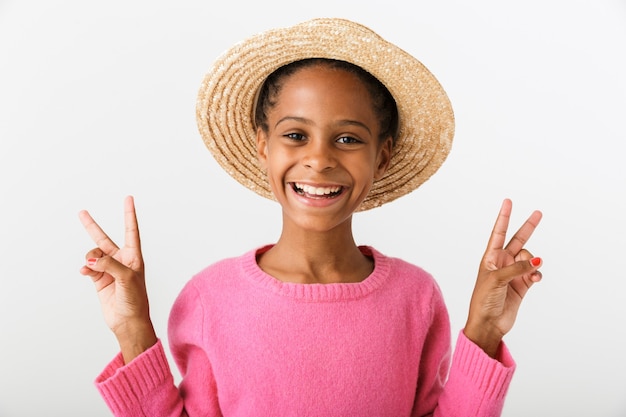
<point>316,192</point>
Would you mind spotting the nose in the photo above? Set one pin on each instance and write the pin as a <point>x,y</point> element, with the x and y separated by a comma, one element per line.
<point>319,155</point>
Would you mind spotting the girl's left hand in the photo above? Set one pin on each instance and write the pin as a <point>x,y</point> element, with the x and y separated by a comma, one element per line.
<point>505,275</point>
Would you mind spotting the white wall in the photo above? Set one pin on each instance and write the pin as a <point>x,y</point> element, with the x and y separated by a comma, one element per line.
<point>97,102</point>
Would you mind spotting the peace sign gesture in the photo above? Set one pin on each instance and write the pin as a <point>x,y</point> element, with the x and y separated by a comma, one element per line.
<point>506,273</point>
<point>118,275</point>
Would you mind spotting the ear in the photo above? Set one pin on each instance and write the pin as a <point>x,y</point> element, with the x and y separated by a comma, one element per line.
<point>261,147</point>
<point>383,158</point>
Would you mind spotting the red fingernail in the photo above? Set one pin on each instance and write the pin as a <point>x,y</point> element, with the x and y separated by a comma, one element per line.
<point>535,261</point>
<point>92,261</point>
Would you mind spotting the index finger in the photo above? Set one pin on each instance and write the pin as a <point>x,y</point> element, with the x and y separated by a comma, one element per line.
<point>498,233</point>
<point>101,239</point>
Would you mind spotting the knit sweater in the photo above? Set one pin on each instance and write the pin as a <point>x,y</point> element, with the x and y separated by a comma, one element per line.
<point>247,344</point>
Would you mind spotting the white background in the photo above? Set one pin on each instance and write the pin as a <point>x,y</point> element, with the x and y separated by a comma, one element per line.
<point>97,101</point>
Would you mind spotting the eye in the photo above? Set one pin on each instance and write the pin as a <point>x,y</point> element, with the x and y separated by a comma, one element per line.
<point>348,140</point>
<point>295,136</point>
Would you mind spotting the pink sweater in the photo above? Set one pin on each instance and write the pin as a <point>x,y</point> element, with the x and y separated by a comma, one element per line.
<point>247,345</point>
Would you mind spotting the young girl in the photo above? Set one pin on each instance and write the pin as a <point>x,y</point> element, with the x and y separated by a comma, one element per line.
<point>328,119</point>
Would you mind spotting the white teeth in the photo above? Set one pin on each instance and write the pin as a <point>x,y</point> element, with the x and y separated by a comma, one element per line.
<point>308,189</point>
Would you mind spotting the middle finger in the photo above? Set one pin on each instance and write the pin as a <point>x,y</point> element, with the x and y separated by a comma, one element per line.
<point>524,233</point>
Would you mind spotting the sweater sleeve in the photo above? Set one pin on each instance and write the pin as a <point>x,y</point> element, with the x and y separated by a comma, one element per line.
<point>187,333</point>
<point>470,384</point>
<point>142,388</point>
<point>145,386</point>
<point>477,384</point>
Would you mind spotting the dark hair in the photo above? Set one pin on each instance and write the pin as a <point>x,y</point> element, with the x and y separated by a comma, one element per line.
<point>383,102</point>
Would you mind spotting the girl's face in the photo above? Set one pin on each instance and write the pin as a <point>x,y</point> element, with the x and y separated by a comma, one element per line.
<point>322,150</point>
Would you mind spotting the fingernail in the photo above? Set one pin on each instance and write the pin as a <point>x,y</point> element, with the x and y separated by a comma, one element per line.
<point>92,261</point>
<point>535,261</point>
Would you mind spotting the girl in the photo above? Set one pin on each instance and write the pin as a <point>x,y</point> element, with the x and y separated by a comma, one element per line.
<point>329,119</point>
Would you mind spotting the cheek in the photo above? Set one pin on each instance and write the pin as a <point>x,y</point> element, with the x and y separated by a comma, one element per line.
<point>364,168</point>
<point>276,158</point>
<point>276,165</point>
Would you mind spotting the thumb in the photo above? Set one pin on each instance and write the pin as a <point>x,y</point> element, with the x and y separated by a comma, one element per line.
<point>523,268</point>
<point>97,267</point>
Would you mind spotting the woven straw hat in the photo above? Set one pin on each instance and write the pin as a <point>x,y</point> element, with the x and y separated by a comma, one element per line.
<point>225,107</point>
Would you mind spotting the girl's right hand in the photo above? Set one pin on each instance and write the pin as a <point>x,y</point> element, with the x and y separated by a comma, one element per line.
<point>118,275</point>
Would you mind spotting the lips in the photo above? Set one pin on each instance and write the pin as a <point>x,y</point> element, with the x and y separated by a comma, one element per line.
<point>317,192</point>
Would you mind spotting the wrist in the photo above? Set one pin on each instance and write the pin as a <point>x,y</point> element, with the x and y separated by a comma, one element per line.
<point>488,340</point>
<point>134,338</point>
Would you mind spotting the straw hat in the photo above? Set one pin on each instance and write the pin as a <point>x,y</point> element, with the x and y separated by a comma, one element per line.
<point>225,107</point>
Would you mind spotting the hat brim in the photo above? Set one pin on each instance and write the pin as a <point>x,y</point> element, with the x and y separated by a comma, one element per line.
<point>225,106</point>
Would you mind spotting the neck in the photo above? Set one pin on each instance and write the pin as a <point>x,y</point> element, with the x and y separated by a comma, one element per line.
<point>310,256</point>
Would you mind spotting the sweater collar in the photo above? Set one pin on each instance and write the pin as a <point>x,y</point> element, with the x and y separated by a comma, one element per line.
<point>318,292</point>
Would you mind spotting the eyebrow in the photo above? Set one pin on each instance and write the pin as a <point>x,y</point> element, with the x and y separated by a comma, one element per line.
<point>345,122</point>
